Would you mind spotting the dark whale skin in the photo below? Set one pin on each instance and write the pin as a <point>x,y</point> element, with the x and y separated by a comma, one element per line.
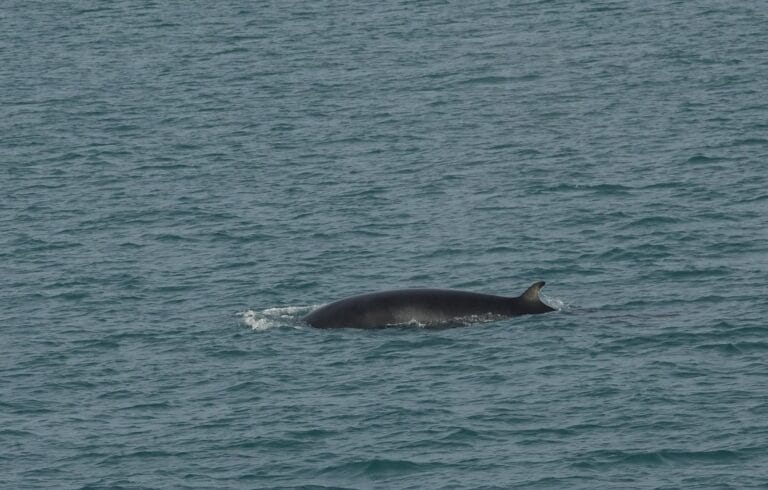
<point>424,307</point>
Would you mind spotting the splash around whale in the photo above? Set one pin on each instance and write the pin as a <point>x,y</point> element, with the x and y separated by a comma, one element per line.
<point>429,307</point>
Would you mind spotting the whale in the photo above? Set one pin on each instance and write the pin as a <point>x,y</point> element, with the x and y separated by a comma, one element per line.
<point>424,307</point>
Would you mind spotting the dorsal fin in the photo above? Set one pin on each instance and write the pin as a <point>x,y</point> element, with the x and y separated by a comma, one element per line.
<point>531,295</point>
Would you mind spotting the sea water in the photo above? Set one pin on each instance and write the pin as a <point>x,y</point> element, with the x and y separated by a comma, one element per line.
<point>180,182</point>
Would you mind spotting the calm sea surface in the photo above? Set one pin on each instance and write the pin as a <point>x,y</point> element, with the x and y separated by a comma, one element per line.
<point>180,182</point>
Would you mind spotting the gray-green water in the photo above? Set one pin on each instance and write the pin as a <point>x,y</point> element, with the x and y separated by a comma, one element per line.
<point>182,181</point>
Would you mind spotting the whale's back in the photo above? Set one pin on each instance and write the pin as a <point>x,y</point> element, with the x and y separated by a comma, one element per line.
<point>421,306</point>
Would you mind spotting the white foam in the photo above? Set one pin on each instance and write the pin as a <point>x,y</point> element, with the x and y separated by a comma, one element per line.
<point>274,317</point>
<point>285,311</point>
<point>251,319</point>
<point>555,303</point>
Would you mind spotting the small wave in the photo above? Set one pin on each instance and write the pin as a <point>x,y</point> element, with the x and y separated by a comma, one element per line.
<point>377,468</point>
<point>274,317</point>
<point>704,159</point>
<point>659,457</point>
<point>735,347</point>
<point>747,142</point>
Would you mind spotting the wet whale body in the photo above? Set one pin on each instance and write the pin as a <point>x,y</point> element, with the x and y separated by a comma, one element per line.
<point>424,307</point>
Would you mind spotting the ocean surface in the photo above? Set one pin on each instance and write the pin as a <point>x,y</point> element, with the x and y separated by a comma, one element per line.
<point>180,182</point>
